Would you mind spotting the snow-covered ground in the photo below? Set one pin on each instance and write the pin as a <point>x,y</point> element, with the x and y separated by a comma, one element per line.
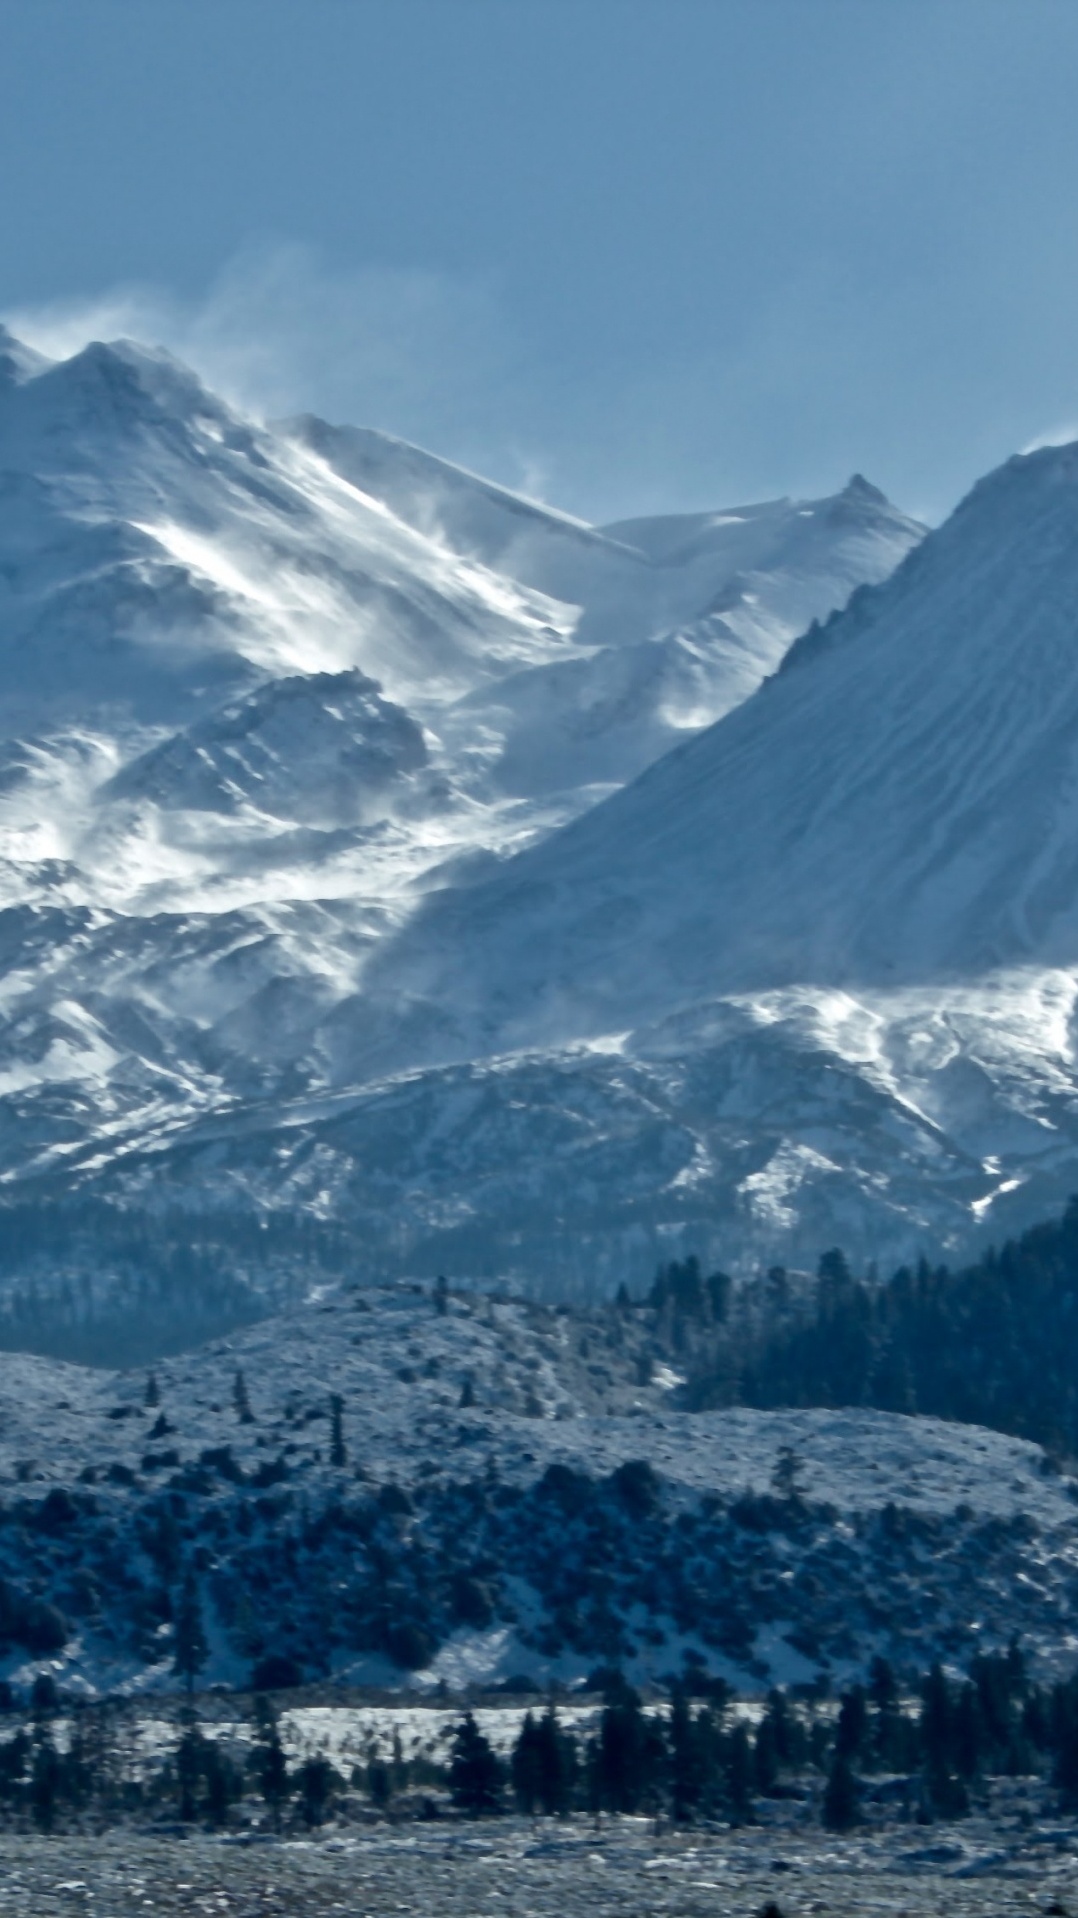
<point>484,1444</point>
<point>974,1869</point>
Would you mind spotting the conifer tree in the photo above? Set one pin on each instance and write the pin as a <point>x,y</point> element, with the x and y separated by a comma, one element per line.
<point>628,1756</point>
<point>886,1730</point>
<point>191,1648</point>
<point>338,1452</point>
<point>936,1721</point>
<point>268,1761</point>
<point>475,1772</point>
<point>557,1764</point>
<point>525,1766</point>
<point>787,1474</point>
<point>222,1783</point>
<point>686,1761</point>
<point>840,1795</point>
<point>189,1767</point>
<point>46,1778</point>
<point>317,1780</point>
<point>765,1758</point>
<point>738,1780</point>
<point>852,1726</point>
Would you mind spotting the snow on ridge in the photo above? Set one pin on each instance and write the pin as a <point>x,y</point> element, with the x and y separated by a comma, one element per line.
<point>215,904</point>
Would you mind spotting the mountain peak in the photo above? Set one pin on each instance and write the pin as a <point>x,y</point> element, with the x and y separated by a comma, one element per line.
<point>859,488</point>
<point>122,379</point>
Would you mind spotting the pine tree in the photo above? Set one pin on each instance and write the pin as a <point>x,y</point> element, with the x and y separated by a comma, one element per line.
<point>787,1477</point>
<point>765,1758</point>
<point>786,1731</point>
<point>191,1649</point>
<point>338,1453</point>
<point>936,1721</point>
<point>525,1766</point>
<point>379,1782</point>
<point>557,1764</point>
<point>46,1778</point>
<point>475,1772</point>
<point>629,1755</point>
<point>268,1762</point>
<point>241,1401</point>
<point>840,1795</point>
<point>189,1767</point>
<point>222,1783</point>
<point>738,1780</point>
<point>886,1732</point>
<point>686,1766</point>
<point>317,1781</point>
<point>969,1732</point>
<point>852,1727</point>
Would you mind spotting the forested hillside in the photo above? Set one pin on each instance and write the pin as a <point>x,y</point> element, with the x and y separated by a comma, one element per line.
<point>993,1343</point>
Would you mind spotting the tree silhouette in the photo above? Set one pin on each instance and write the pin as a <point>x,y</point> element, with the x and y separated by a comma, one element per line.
<point>191,1648</point>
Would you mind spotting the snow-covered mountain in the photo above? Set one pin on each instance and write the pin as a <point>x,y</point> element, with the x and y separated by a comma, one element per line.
<point>896,806</point>
<point>680,617</point>
<point>262,689</point>
<point>825,951</point>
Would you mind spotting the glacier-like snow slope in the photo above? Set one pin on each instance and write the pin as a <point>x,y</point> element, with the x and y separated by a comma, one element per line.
<point>259,688</point>
<point>681,616</point>
<point>822,959</point>
<point>898,806</point>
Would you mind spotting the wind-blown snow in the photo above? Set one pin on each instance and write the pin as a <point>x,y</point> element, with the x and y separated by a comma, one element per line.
<point>265,689</point>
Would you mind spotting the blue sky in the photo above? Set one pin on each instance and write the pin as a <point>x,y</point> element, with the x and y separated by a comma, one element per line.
<point>632,254</point>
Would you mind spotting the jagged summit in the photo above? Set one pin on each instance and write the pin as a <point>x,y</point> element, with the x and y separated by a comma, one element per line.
<point>108,387</point>
<point>857,487</point>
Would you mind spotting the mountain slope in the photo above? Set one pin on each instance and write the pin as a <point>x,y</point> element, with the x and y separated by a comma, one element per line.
<point>897,806</point>
<point>259,697</point>
<point>153,535</point>
<point>678,618</point>
<point>457,1541</point>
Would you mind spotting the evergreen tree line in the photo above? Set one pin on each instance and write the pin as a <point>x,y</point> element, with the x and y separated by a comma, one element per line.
<point>698,1761</point>
<point>85,1280</point>
<point>926,1756</point>
<point>991,1344</point>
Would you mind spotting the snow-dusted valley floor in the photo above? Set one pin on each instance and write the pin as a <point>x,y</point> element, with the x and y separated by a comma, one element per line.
<point>624,1870</point>
<point>512,1501</point>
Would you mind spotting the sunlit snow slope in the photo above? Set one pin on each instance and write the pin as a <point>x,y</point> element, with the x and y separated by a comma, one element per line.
<point>839,928</point>
<point>262,690</point>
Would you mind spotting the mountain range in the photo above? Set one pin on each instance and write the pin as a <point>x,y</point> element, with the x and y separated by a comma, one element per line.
<point>531,897</point>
